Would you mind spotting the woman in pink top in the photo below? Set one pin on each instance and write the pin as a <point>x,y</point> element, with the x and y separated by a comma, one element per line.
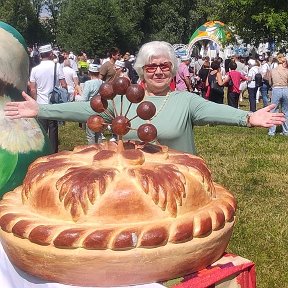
<point>234,79</point>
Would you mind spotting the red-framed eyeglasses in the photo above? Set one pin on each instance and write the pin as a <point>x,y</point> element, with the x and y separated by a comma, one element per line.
<point>164,67</point>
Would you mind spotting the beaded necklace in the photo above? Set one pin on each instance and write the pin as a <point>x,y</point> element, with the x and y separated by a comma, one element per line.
<point>161,107</point>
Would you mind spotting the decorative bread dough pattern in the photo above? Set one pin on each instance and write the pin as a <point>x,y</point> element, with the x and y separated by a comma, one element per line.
<point>98,197</point>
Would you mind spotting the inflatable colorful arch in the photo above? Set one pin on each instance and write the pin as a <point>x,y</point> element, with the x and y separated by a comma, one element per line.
<point>215,31</point>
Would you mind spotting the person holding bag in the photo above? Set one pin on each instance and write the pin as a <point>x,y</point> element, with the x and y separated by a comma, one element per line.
<point>215,91</point>
<point>41,86</point>
<point>59,94</point>
<point>203,74</point>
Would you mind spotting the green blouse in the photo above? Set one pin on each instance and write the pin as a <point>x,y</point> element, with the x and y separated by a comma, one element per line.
<point>176,115</point>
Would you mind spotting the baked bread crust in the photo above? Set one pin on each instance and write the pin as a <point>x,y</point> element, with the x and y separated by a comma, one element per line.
<point>128,215</point>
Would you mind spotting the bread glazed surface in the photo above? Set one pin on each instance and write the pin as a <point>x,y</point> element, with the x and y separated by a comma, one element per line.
<point>126,214</point>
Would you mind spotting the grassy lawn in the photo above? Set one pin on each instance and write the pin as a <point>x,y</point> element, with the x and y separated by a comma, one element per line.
<point>254,168</point>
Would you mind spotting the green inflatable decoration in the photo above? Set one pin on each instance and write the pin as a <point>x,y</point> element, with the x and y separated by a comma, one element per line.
<point>21,141</point>
<point>215,31</point>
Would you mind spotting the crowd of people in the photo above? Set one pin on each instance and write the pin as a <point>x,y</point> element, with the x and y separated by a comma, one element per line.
<point>264,77</point>
<point>79,74</point>
<point>205,78</point>
<point>177,112</point>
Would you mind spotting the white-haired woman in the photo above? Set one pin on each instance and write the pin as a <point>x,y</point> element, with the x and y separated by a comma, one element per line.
<point>176,112</point>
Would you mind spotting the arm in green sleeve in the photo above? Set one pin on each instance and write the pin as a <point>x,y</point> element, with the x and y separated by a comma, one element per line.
<point>72,111</point>
<point>207,112</point>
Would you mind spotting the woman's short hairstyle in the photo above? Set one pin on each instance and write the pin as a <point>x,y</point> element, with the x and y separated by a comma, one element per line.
<point>281,58</point>
<point>215,65</point>
<point>67,63</point>
<point>232,65</point>
<point>206,64</point>
<point>152,50</point>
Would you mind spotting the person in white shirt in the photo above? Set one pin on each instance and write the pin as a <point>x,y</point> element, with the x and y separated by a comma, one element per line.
<point>240,65</point>
<point>42,84</point>
<point>71,79</point>
<point>73,62</point>
<point>198,64</point>
<point>252,89</point>
<point>265,70</point>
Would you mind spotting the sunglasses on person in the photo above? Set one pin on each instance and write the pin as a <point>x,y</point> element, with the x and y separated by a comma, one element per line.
<point>164,67</point>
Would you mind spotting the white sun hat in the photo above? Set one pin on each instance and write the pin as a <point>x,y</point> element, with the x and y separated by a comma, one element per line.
<point>94,68</point>
<point>185,58</point>
<point>45,48</point>
<point>119,64</point>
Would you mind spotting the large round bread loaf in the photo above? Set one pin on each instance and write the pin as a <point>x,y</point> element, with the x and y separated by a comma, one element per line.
<point>104,215</point>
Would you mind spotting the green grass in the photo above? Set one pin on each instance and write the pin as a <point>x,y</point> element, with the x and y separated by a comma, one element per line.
<point>254,167</point>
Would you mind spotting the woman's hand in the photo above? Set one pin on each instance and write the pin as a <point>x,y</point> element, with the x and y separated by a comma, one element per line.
<point>265,118</point>
<point>77,90</point>
<point>24,109</point>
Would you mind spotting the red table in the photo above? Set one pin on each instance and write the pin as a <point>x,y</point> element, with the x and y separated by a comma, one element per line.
<point>230,271</point>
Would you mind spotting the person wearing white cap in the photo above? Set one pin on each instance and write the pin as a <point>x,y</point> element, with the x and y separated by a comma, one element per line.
<point>129,61</point>
<point>121,70</point>
<point>42,84</point>
<point>183,82</point>
<point>91,88</point>
<point>252,89</point>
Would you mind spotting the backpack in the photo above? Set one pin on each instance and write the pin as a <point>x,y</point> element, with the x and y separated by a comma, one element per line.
<point>267,80</point>
<point>59,95</point>
<point>258,80</point>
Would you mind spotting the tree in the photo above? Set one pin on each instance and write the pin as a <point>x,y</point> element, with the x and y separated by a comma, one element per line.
<point>253,20</point>
<point>22,16</point>
<point>38,6</point>
<point>53,8</point>
<point>128,15</point>
<point>81,28</point>
<point>165,20</point>
<point>256,21</point>
<point>99,27</point>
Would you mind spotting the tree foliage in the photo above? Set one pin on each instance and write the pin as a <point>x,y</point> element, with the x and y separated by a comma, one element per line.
<point>21,15</point>
<point>97,25</point>
<point>256,21</point>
